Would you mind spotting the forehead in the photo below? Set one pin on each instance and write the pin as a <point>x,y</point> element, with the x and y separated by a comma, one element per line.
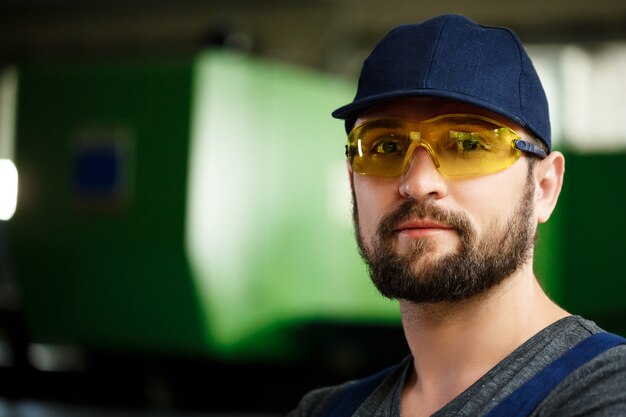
<point>424,108</point>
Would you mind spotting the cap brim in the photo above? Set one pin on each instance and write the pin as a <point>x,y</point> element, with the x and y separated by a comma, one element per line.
<point>351,111</point>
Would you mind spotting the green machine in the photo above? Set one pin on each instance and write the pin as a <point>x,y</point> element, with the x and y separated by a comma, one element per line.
<point>582,246</point>
<point>202,206</point>
<point>185,206</point>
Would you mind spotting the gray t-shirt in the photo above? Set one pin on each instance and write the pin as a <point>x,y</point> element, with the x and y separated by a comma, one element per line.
<point>596,389</point>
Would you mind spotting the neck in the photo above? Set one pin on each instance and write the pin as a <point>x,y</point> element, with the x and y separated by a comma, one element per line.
<point>454,344</point>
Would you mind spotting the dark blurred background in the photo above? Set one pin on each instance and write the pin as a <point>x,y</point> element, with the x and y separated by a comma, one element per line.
<point>182,243</point>
<point>327,35</point>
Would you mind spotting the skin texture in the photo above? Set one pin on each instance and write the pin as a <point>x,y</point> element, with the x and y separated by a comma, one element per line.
<point>455,343</point>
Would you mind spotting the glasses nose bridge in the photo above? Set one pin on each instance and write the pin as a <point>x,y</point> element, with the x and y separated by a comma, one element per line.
<point>417,142</point>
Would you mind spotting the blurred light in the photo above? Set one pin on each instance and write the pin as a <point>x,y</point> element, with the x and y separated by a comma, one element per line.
<point>546,61</point>
<point>8,100</point>
<point>8,189</point>
<point>8,172</point>
<point>55,357</point>
<point>339,205</point>
<point>258,205</point>
<point>586,88</point>
<point>577,69</point>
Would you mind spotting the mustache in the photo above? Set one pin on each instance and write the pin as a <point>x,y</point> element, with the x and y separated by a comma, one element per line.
<point>413,209</point>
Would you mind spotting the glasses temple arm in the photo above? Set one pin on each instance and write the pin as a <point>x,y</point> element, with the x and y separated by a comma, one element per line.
<point>528,147</point>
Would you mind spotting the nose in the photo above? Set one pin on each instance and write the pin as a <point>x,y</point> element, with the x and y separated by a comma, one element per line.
<point>422,179</point>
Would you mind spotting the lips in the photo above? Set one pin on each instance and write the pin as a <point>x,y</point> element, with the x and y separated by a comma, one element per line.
<point>421,226</point>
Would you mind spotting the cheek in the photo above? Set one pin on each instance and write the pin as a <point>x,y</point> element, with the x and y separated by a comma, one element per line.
<point>375,197</point>
<point>490,201</point>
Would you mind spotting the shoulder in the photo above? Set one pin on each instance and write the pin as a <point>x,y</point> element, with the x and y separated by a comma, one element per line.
<point>596,389</point>
<point>313,402</point>
<point>365,392</point>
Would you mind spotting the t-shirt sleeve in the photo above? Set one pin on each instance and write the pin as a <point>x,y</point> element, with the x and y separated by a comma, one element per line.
<point>597,389</point>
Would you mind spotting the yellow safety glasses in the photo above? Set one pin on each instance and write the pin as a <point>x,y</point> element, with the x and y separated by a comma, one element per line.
<point>461,145</point>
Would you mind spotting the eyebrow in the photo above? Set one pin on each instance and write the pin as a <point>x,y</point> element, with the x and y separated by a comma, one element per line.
<point>381,124</point>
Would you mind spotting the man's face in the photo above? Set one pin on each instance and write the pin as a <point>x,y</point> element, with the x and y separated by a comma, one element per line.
<point>427,238</point>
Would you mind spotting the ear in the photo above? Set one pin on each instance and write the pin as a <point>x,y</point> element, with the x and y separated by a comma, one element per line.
<point>549,180</point>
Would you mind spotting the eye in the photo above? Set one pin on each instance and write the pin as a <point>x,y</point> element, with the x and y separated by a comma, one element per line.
<point>467,142</point>
<point>386,146</point>
<point>469,145</point>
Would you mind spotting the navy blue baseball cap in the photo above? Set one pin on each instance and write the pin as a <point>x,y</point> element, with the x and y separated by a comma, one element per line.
<point>454,58</point>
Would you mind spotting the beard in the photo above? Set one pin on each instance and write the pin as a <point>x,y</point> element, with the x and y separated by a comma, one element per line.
<point>476,266</point>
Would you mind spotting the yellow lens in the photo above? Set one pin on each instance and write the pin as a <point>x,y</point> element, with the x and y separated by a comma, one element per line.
<point>461,145</point>
<point>379,147</point>
<point>470,145</point>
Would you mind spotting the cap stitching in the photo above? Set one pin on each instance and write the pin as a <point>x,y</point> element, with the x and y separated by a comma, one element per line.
<point>432,55</point>
<point>521,73</point>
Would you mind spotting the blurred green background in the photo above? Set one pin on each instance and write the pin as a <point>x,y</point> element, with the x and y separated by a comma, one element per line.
<point>217,217</point>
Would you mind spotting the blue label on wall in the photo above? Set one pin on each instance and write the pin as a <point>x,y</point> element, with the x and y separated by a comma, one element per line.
<point>100,171</point>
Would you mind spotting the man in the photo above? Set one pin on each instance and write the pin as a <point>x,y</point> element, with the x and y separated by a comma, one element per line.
<point>450,162</point>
